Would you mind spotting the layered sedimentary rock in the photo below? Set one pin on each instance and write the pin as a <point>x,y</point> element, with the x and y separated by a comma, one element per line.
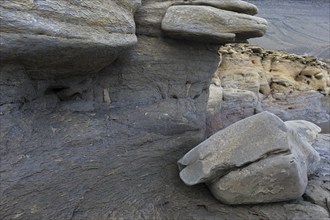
<point>104,118</point>
<point>211,24</point>
<point>268,161</point>
<point>202,20</point>
<point>63,38</point>
<point>251,79</point>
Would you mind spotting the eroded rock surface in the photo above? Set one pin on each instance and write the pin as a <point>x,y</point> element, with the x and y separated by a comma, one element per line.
<point>269,161</point>
<point>63,38</point>
<point>318,188</point>
<point>291,86</point>
<point>211,24</point>
<point>85,143</point>
<point>213,21</point>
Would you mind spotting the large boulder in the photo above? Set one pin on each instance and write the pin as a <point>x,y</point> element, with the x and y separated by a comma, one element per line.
<point>213,21</point>
<point>268,161</point>
<point>61,38</point>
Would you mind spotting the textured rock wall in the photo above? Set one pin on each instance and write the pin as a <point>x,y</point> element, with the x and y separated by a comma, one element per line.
<point>251,79</point>
<point>62,38</point>
<point>93,121</point>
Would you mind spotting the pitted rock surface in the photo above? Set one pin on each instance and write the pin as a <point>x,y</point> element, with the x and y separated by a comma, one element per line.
<point>291,86</point>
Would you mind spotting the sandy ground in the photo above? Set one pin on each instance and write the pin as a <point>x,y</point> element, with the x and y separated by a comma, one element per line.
<point>297,26</point>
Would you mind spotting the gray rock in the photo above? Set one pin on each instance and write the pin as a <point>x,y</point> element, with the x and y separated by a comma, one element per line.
<point>291,210</point>
<point>73,164</point>
<point>229,5</point>
<point>318,188</point>
<point>268,162</point>
<point>210,24</point>
<point>57,38</point>
<point>297,106</point>
<point>274,179</point>
<point>15,88</point>
<point>301,137</point>
<point>225,151</point>
<point>149,16</point>
<point>234,105</point>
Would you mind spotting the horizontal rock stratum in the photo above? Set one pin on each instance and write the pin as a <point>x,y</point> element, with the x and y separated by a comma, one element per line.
<point>211,24</point>
<point>259,159</point>
<point>92,127</point>
<point>57,38</point>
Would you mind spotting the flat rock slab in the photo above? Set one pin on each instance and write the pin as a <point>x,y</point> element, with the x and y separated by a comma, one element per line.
<point>210,24</point>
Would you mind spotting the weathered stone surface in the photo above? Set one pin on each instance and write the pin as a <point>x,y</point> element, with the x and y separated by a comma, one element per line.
<point>268,162</point>
<point>301,137</point>
<point>224,151</point>
<point>71,146</point>
<point>150,15</point>
<point>211,24</point>
<point>15,88</point>
<point>292,210</point>
<point>104,145</point>
<point>57,38</point>
<point>229,5</point>
<point>291,86</point>
<point>235,104</point>
<point>318,188</point>
<point>270,180</point>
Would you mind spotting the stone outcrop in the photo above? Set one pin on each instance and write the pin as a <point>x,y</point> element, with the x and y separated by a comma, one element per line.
<point>63,38</point>
<point>222,26</point>
<point>212,21</point>
<point>92,128</point>
<point>251,79</point>
<point>269,161</point>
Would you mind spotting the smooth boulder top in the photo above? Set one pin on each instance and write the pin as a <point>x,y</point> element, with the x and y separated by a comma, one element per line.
<point>92,21</point>
<point>210,24</point>
<point>229,5</point>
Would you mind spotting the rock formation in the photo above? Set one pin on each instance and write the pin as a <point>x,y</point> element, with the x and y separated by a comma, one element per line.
<point>94,114</point>
<point>268,161</point>
<point>251,79</point>
<point>64,38</point>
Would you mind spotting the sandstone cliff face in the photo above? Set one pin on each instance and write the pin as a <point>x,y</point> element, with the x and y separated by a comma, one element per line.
<point>93,118</point>
<point>251,79</point>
